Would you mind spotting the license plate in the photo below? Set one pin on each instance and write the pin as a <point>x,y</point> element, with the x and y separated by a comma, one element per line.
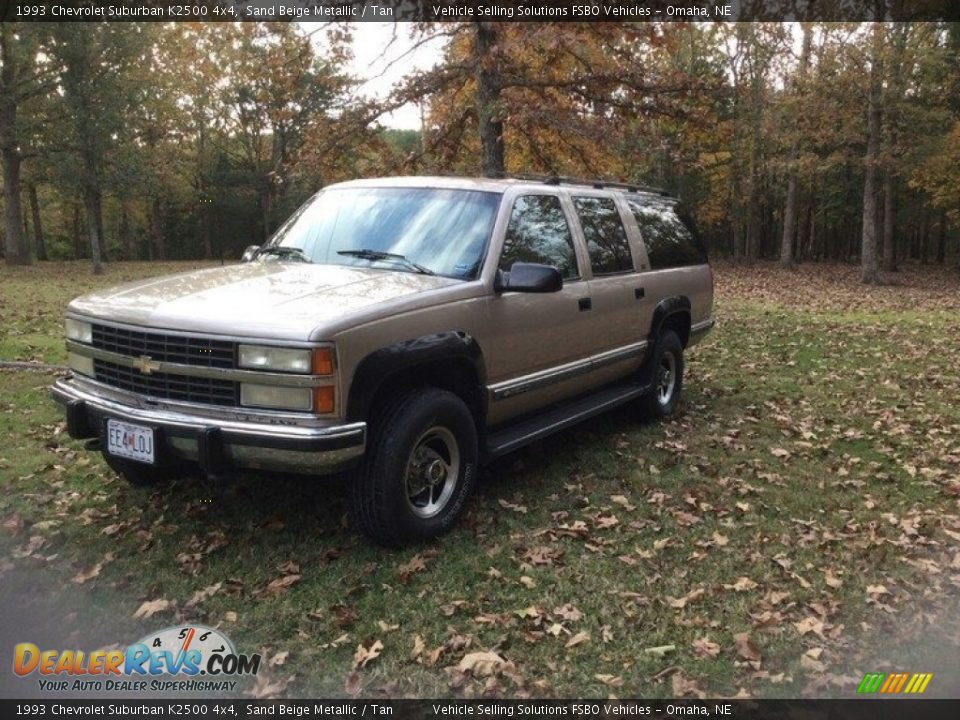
<point>130,441</point>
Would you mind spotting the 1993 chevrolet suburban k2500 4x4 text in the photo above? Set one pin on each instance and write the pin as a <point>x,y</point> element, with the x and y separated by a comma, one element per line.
<point>406,328</point>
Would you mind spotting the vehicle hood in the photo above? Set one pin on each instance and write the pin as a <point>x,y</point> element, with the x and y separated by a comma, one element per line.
<point>282,300</point>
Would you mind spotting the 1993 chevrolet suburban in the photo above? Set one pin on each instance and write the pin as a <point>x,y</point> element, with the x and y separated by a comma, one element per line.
<point>408,328</point>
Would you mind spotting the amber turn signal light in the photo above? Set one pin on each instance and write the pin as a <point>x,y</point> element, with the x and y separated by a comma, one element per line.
<point>323,361</point>
<point>324,399</point>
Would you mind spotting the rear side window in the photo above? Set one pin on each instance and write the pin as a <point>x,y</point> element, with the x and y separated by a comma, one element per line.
<point>670,241</point>
<point>538,233</point>
<point>606,239</point>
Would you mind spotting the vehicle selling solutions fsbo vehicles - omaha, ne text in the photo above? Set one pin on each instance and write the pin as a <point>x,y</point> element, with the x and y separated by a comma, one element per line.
<point>405,328</point>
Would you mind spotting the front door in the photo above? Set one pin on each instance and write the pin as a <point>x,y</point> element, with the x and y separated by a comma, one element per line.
<point>541,354</point>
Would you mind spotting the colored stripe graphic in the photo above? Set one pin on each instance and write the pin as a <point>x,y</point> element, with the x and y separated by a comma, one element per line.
<point>894,683</point>
<point>870,683</point>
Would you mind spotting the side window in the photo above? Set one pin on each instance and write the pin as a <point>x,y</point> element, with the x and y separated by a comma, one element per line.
<point>670,242</point>
<point>606,239</point>
<point>538,233</point>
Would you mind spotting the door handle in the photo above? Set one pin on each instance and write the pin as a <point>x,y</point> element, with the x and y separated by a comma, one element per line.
<point>638,293</point>
<point>585,303</point>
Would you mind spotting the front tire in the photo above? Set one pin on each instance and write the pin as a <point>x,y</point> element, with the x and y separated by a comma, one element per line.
<point>420,468</point>
<point>666,373</point>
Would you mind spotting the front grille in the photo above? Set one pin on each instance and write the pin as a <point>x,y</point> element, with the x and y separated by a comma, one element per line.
<point>165,348</point>
<point>166,386</point>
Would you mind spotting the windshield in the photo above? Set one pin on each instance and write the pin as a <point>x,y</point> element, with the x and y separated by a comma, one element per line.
<point>437,231</point>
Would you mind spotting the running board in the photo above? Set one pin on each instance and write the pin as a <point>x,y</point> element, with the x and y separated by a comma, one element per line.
<point>560,417</point>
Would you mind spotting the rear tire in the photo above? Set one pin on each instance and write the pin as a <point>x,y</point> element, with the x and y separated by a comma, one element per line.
<point>420,468</point>
<point>666,374</point>
<point>141,474</point>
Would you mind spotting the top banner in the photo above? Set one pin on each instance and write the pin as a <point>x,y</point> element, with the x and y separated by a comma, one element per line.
<point>480,10</point>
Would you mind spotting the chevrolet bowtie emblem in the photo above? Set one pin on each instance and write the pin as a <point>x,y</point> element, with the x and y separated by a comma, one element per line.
<point>146,364</point>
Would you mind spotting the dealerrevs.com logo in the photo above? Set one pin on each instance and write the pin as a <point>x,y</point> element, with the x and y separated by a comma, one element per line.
<point>177,659</point>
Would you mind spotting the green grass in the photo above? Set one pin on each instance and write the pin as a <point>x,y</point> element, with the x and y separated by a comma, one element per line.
<point>816,455</point>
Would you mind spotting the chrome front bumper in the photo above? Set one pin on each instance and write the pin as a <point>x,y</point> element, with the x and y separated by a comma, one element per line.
<point>217,444</point>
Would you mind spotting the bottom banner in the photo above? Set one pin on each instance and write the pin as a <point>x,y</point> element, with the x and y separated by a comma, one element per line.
<point>875,709</point>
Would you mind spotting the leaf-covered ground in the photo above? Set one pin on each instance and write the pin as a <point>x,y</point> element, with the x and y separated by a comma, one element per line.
<point>795,527</point>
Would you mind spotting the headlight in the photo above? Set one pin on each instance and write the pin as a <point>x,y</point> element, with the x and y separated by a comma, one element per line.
<point>261,357</point>
<point>272,396</point>
<point>79,331</point>
<point>81,364</point>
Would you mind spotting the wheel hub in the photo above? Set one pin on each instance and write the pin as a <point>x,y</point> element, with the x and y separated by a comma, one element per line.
<point>666,378</point>
<point>432,472</point>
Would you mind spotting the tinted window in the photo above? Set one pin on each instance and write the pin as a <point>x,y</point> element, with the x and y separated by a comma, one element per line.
<point>606,239</point>
<point>444,231</point>
<point>670,242</point>
<point>538,233</point>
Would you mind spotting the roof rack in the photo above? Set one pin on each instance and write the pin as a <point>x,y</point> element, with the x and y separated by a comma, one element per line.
<point>599,184</point>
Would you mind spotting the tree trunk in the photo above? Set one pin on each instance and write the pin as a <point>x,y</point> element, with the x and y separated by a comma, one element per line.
<point>159,245</point>
<point>868,242</point>
<point>78,252</point>
<point>126,240</point>
<point>17,247</point>
<point>924,240</point>
<point>789,223</point>
<point>39,242</point>
<point>790,211</point>
<point>942,240</point>
<point>889,226</point>
<point>91,205</point>
<point>206,232</point>
<point>489,124</point>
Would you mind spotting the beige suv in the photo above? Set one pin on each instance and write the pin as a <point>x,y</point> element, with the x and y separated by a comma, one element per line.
<point>407,328</point>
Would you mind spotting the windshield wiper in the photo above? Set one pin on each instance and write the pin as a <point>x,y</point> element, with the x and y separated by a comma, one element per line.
<point>284,251</point>
<point>368,254</point>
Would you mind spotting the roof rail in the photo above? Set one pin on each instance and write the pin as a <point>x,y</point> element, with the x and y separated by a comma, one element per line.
<point>599,184</point>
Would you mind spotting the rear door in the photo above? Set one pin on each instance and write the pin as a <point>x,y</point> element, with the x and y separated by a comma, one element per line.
<point>617,334</point>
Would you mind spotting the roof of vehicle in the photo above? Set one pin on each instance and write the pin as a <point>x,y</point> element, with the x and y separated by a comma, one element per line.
<point>499,185</point>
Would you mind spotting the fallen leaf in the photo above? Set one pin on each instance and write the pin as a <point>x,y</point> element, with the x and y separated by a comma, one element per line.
<point>683,686</point>
<point>706,647</point>
<point>415,565</point>
<point>200,595</point>
<point>743,584</point>
<point>810,660</point>
<point>150,608</point>
<point>832,580</point>
<point>609,680</point>
<point>579,639</point>
<point>568,612</point>
<point>364,655</point>
<point>481,664</point>
<point>745,647</point>
<point>681,603</point>
<point>82,577</point>
<point>279,659</point>
<point>283,583</point>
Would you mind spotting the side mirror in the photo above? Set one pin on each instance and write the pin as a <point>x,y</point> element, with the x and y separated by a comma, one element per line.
<point>250,253</point>
<point>529,277</point>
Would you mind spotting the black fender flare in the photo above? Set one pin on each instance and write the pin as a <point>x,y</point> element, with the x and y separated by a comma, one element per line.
<point>672,305</point>
<point>380,366</point>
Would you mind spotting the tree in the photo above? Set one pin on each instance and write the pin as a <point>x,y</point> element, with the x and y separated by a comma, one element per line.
<point>793,177</point>
<point>23,77</point>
